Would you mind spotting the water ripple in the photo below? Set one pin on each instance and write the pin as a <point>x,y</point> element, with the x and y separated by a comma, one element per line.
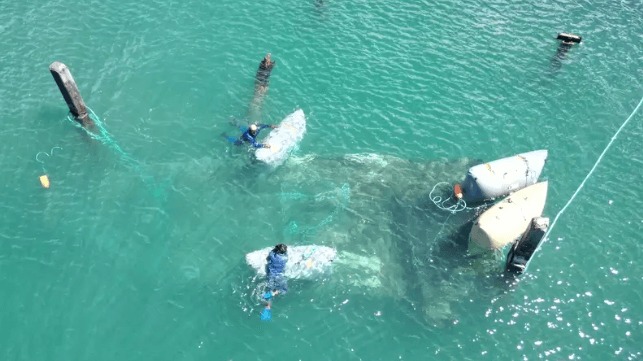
<point>140,250</point>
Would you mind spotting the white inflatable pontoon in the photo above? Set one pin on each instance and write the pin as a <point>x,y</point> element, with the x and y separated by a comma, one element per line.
<point>503,176</point>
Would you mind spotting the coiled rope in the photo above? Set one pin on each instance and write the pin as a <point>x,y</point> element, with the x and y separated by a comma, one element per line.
<point>460,205</point>
<point>51,153</point>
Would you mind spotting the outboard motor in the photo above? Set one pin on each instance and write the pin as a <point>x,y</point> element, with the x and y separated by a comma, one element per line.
<point>522,251</point>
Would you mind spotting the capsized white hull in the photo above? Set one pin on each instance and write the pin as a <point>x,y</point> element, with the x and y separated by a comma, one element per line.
<point>506,221</point>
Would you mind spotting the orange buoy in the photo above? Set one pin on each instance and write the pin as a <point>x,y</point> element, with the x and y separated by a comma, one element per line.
<point>457,191</point>
<point>44,180</point>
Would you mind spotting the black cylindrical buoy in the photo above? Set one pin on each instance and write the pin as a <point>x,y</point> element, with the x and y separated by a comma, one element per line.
<point>569,37</point>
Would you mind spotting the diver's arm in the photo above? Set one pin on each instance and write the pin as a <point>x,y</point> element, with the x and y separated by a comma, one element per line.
<point>252,140</point>
<point>264,126</point>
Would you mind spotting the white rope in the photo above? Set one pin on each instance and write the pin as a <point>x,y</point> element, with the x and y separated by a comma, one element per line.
<point>51,153</point>
<point>551,227</point>
<point>439,202</point>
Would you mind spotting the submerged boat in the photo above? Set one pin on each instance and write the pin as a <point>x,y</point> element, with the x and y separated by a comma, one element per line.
<point>507,220</point>
<point>522,251</point>
<point>503,176</point>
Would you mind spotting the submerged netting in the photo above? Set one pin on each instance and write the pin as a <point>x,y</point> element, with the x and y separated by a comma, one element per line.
<point>339,197</point>
<point>102,135</point>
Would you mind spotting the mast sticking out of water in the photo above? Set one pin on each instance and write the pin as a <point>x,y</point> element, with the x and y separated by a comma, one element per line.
<point>70,92</point>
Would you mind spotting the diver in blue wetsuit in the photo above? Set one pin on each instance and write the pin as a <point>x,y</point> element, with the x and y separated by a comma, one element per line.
<point>275,271</point>
<point>251,134</point>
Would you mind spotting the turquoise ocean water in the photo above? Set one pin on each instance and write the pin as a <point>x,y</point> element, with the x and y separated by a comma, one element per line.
<point>136,252</point>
